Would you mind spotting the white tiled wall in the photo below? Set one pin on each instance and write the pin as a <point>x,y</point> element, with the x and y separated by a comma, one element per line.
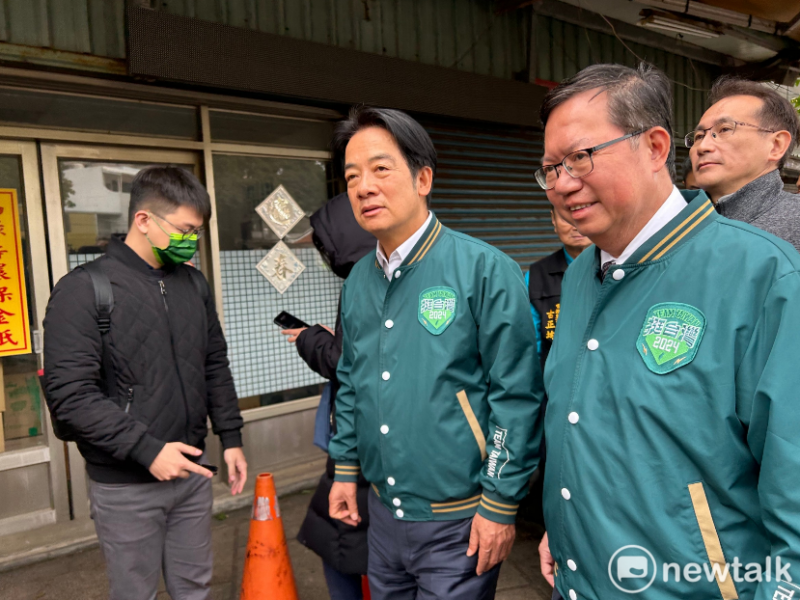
<point>262,361</point>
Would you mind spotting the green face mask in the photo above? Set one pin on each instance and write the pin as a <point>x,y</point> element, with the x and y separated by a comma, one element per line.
<point>179,250</point>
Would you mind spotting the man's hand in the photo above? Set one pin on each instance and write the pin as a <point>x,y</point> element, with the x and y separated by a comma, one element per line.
<point>171,462</point>
<point>237,469</point>
<point>492,541</point>
<point>293,333</point>
<point>546,561</point>
<point>342,503</point>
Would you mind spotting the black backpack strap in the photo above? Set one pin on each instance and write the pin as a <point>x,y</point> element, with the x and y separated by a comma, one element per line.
<point>104,302</point>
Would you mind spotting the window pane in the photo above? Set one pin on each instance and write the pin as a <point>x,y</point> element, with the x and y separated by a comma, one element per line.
<point>270,131</point>
<point>243,182</point>
<point>22,418</point>
<point>42,109</point>
<point>266,368</point>
<point>96,197</point>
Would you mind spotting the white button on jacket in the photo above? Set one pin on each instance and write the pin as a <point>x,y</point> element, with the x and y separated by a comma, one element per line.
<point>572,566</point>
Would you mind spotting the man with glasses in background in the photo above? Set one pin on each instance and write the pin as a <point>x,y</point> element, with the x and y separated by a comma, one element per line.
<point>738,150</point>
<point>138,402</point>
<point>672,424</point>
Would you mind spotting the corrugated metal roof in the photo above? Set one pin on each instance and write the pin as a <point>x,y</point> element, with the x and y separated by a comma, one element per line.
<point>84,26</point>
<point>564,49</point>
<point>462,34</point>
<point>465,34</point>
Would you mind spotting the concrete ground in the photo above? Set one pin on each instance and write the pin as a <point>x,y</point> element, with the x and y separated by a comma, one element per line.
<point>81,576</point>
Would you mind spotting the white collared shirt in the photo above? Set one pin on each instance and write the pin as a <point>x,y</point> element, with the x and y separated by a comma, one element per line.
<point>673,205</point>
<point>403,250</point>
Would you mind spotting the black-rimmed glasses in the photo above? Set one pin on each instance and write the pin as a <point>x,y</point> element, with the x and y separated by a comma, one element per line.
<point>577,164</point>
<point>184,233</point>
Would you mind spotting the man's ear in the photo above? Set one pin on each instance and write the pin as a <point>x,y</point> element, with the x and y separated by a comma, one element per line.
<point>659,144</point>
<point>140,220</point>
<point>424,181</point>
<point>781,141</point>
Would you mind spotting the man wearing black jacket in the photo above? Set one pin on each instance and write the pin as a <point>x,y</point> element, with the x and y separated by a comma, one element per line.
<point>143,444</point>
<point>343,548</point>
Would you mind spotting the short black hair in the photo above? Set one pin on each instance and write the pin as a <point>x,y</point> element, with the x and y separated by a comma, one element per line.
<point>165,189</point>
<point>777,113</point>
<point>687,168</point>
<point>638,99</point>
<point>414,142</point>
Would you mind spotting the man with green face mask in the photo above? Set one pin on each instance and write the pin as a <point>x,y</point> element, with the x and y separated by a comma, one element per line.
<point>137,398</point>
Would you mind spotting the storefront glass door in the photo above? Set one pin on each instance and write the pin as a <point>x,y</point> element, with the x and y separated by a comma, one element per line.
<point>33,490</point>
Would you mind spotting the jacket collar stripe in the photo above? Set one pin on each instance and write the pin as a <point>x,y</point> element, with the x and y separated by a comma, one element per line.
<point>686,231</point>
<point>431,228</point>
<point>655,249</point>
<point>428,243</point>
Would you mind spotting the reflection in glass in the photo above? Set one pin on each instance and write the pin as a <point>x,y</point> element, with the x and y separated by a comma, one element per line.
<point>95,197</point>
<point>311,134</point>
<point>243,182</point>
<point>109,115</point>
<point>266,369</point>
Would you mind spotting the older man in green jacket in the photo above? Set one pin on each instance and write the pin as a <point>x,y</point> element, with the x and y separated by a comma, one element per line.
<point>440,382</point>
<point>673,423</point>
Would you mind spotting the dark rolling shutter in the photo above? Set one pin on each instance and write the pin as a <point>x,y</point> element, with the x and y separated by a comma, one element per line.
<point>485,187</point>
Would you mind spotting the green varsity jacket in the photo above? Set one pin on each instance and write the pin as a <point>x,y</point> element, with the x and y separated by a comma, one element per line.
<point>673,419</point>
<point>440,384</point>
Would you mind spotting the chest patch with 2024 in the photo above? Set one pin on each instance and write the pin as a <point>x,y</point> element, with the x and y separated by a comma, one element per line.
<point>670,336</point>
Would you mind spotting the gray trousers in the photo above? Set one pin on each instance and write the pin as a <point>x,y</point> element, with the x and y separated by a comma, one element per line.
<point>146,527</point>
<point>424,560</point>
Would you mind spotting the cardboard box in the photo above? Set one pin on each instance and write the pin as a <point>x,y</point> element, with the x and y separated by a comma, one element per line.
<point>23,415</point>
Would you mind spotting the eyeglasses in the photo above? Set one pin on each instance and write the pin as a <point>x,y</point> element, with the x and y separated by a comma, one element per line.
<point>720,132</point>
<point>577,164</point>
<point>185,233</point>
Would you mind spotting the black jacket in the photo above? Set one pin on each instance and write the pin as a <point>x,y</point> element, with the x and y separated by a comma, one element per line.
<point>342,242</point>
<point>544,290</point>
<point>170,363</point>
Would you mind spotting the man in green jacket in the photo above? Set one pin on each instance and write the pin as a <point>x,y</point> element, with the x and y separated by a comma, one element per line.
<point>673,422</point>
<point>440,383</point>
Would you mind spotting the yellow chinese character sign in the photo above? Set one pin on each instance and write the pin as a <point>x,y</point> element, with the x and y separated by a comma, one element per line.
<point>15,333</point>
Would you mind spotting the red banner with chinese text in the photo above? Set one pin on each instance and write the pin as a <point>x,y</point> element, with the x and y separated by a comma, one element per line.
<point>15,333</point>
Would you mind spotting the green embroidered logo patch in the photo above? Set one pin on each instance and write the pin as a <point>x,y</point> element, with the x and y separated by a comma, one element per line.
<point>670,336</point>
<point>437,308</point>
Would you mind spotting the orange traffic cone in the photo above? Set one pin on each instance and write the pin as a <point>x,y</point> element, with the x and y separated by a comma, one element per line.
<point>267,569</point>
